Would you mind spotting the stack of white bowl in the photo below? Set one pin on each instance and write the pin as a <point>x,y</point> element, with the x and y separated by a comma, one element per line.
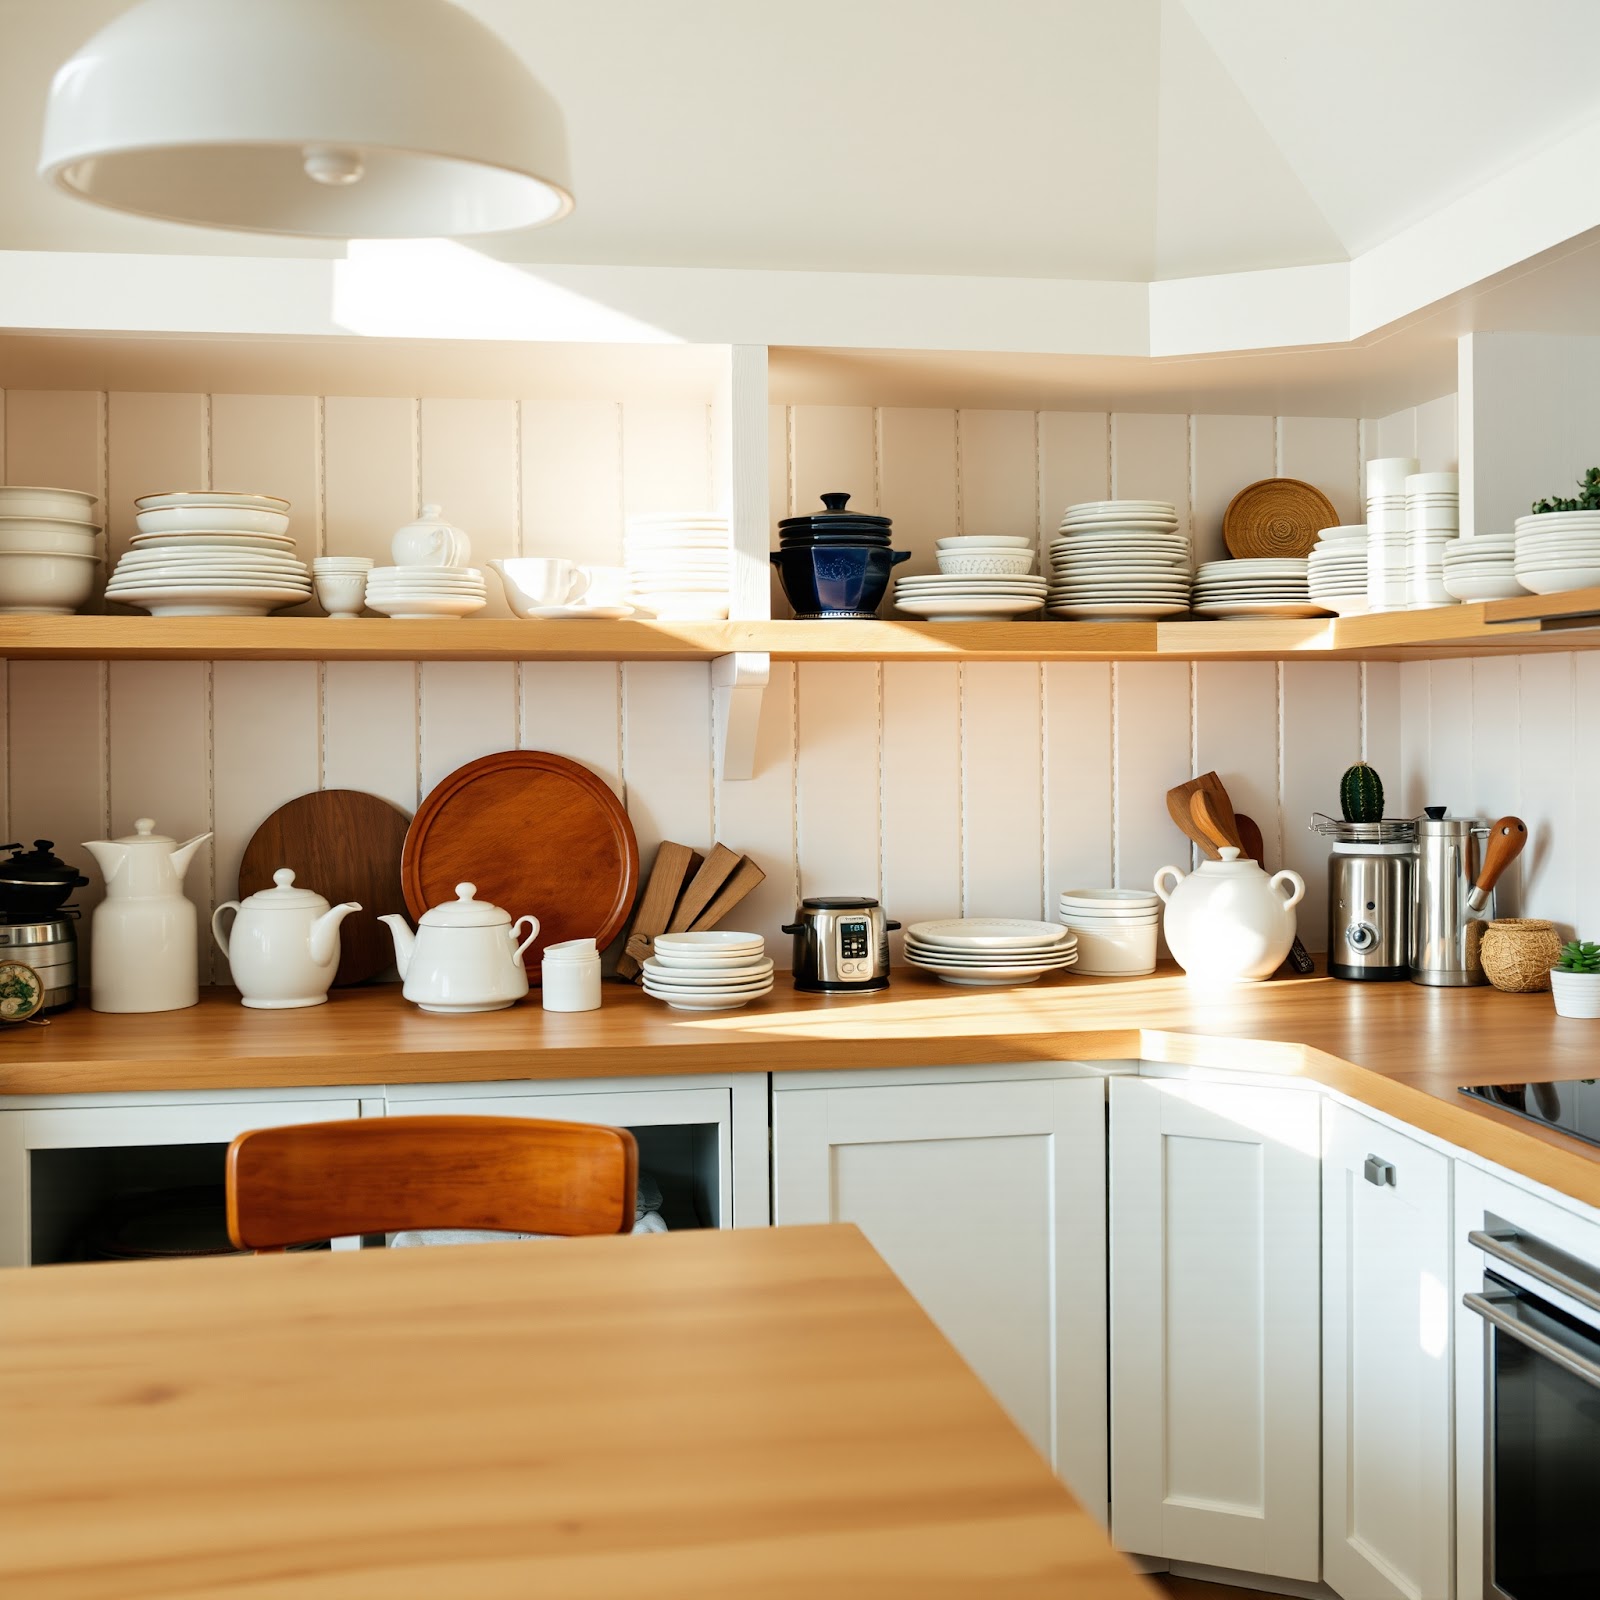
<point>1388,541</point>
<point>341,584</point>
<point>1115,928</point>
<point>1482,567</point>
<point>211,553</point>
<point>1119,561</point>
<point>1336,571</point>
<point>988,952</point>
<point>1433,519</point>
<point>49,550</point>
<point>1558,550</point>
<point>982,577</point>
<point>716,971</point>
<point>1255,587</point>
<point>680,565</point>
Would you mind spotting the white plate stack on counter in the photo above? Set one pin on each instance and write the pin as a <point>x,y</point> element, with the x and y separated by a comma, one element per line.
<point>1255,587</point>
<point>1119,561</point>
<point>988,952</point>
<point>1558,550</point>
<point>430,577</point>
<point>1115,929</point>
<point>981,578</point>
<point>680,565</point>
<point>1388,537</point>
<point>716,971</point>
<point>1336,571</point>
<point>1433,520</point>
<point>210,553</point>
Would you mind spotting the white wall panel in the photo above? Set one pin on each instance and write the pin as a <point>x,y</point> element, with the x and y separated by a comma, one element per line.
<point>1229,452</point>
<point>1002,820</point>
<point>469,709</point>
<point>666,458</point>
<point>157,445</point>
<point>918,480</point>
<point>1151,728</point>
<point>1413,793</point>
<point>1450,754</point>
<point>1077,778</point>
<point>999,472</point>
<point>1436,434</point>
<point>1496,775</point>
<point>834,447</point>
<point>1546,727</point>
<point>54,438</point>
<point>1236,736</point>
<point>572,480</point>
<point>666,752</point>
<point>369,711</point>
<point>1321,737</point>
<point>1074,463</point>
<point>1380,714</point>
<point>370,474</point>
<point>1585,855</point>
<point>1150,460</point>
<point>574,709</point>
<point>838,778</point>
<point>468,466</point>
<point>1325,452</point>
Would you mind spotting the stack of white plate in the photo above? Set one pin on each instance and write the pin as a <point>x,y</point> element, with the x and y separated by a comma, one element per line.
<point>680,565</point>
<point>1250,587</point>
<point>1482,567</point>
<point>1115,928</point>
<point>968,597</point>
<point>990,951</point>
<point>1558,550</point>
<point>49,549</point>
<point>211,554</point>
<point>1336,570</point>
<point>1433,519</point>
<point>1119,561</point>
<point>717,971</point>
<point>1388,542</point>
<point>415,593</point>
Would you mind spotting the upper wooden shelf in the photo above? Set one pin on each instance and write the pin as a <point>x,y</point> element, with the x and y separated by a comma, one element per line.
<point>1555,622</point>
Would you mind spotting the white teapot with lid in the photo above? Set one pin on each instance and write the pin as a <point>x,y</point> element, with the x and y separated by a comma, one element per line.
<point>464,955</point>
<point>284,947</point>
<point>1227,921</point>
<point>430,541</point>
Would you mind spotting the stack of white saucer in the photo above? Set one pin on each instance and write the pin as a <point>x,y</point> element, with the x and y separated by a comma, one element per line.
<point>1558,550</point>
<point>1336,571</point>
<point>1388,539</point>
<point>1115,928</point>
<point>1119,560</point>
<point>416,592</point>
<point>716,971</point>
<point>1482,567</point>
<point>1433,519</point>
<point>990,952</point>
<point>680,565</point>
<point>1254,587</point>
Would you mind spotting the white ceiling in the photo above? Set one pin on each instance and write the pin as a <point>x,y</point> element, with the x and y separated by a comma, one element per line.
<point>1081,139</point>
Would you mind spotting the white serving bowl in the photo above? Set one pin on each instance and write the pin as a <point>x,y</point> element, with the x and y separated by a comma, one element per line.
<point>1110,899</point>
<point>961,542</point>
<point>341,594</point>
<point>69,505</point>
<point>1497,585</point>
<point>49,536</point>
<point>994,562</point>
<point>413,607</point>
<point>45,582</point>
<point>1115,952</point>
<point>211,497</point>
<point>1557,580</point>
<point>212,519</point>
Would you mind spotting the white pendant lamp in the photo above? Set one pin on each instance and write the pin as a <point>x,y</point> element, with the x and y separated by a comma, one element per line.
<point>345,119</point>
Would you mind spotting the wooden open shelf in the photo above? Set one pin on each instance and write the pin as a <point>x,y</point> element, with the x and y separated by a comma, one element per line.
<point>1555,622</point>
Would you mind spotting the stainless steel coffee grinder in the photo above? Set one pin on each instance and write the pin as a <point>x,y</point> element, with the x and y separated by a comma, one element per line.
<point>1371,887</point>
<point>1459,861</point>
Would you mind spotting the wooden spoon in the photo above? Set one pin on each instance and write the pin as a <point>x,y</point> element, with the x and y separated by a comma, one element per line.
<point>1180,803</point>
<point>1506,839</point>
<point>1222,831</point>
<point>1255,848</point>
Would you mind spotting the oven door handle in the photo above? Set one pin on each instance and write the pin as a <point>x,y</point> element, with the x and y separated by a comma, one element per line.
<point>1503,1310</point>
<point>1546,1264</point>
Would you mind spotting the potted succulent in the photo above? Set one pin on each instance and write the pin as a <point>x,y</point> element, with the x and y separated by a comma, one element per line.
<point>1575,980</point>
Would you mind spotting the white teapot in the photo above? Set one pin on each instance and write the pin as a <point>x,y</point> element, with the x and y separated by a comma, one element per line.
<point>464,955</point>
<point>1228,922</point>
<point>430,541</point>
<point>284,947</point>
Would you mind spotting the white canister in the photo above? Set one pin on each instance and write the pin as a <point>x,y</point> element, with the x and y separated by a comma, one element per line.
<point>569,976</point>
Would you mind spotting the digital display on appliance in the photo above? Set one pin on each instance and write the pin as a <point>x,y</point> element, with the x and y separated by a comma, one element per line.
<point>853,941</point>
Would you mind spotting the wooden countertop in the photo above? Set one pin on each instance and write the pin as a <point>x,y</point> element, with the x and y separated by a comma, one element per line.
<point>1397,1047</point>
<point>717,1413</point>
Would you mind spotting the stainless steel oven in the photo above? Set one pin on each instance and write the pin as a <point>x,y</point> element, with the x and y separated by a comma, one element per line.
<point>1541,1313</point>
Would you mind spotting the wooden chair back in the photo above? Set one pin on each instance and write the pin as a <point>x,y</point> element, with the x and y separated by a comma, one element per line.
<point>327,1180</point>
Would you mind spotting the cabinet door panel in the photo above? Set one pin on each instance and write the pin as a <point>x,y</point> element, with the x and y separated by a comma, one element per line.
<point>1214,1372</point>
<point>1386,1364</point>
<point>988,1201</point>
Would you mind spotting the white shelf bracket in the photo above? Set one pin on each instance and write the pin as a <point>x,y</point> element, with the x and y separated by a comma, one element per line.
<point>738,682</point>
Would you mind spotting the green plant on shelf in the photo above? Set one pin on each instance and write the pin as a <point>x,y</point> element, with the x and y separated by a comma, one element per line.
<point>1579,956</point>
<point>1588,497</point>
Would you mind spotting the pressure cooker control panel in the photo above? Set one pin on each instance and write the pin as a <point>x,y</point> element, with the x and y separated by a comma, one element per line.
<point>854,941</point>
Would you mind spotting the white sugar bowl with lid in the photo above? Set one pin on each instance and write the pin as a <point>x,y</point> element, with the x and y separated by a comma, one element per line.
<point>283,948</point>
<point>464,955</point>
<point>1227,921</point>
<point>430,541</point>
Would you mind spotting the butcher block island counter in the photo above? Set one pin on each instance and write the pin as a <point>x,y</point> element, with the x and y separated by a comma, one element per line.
<point>1399,1048</point>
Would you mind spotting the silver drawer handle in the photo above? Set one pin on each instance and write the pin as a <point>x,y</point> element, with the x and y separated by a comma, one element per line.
<point>1548,1265</point>
<point>1379,1171</point>
<point>1504,1311</point>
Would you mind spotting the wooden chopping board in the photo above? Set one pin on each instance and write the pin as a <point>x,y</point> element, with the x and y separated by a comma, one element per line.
<point>539,835</point>
<point>346,845</point>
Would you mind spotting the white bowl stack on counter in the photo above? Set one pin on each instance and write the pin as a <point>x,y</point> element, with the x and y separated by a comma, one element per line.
<point>716,971</point>
<point>1558,550</point>
<point>1433,520</point>
<point>341,584</point>
<point>430,577</point>
<point>1119,561</point>
<point>211,553</point>
<point>1388,537</point>
<point>49,550</point>
<point>982,577</point>
<point>1336,571</point>
<point>1255,587</point>
<point>1482,567</point>
<point>1115,929</point>
<point>680,565</point>
<point>989,952</point>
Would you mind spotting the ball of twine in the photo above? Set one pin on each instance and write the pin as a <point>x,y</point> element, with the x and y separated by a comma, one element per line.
<point>1518,953</point>
<point>1277,517</point>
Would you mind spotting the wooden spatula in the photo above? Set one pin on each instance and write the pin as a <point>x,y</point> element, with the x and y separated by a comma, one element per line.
<point>1180,803</point>
<point>1251,842</point>
<point>1208,818</point>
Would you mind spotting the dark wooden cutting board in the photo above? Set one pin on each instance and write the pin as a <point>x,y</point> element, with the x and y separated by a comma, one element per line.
<point>539,835</point>
<point>347,846</point>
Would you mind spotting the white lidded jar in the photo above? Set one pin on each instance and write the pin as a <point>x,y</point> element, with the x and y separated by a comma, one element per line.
<point>284,946</point>
<point>1227,921</point>
<point>569,975</point>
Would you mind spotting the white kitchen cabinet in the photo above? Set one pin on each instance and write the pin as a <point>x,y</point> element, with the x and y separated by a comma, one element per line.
<point>987,1198</point>
<point>1214,1324</point>
<point>1386,1400</point>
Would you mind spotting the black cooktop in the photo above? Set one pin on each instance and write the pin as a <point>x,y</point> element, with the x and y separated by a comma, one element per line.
<point>1573,1107</point>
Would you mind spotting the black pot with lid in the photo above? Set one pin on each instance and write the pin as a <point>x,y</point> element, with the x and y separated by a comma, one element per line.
<point>35,883</point>
<point>835,525</point>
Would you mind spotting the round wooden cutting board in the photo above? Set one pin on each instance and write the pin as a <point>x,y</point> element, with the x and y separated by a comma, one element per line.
<point>346,845</point>
<point>539,835</point>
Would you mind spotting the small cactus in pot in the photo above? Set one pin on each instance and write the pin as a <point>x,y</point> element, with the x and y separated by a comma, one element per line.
<point>1361,794</point>
<point>1575,980</point>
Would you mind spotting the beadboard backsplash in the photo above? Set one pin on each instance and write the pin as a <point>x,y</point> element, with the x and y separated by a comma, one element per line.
<point>981,788</point>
